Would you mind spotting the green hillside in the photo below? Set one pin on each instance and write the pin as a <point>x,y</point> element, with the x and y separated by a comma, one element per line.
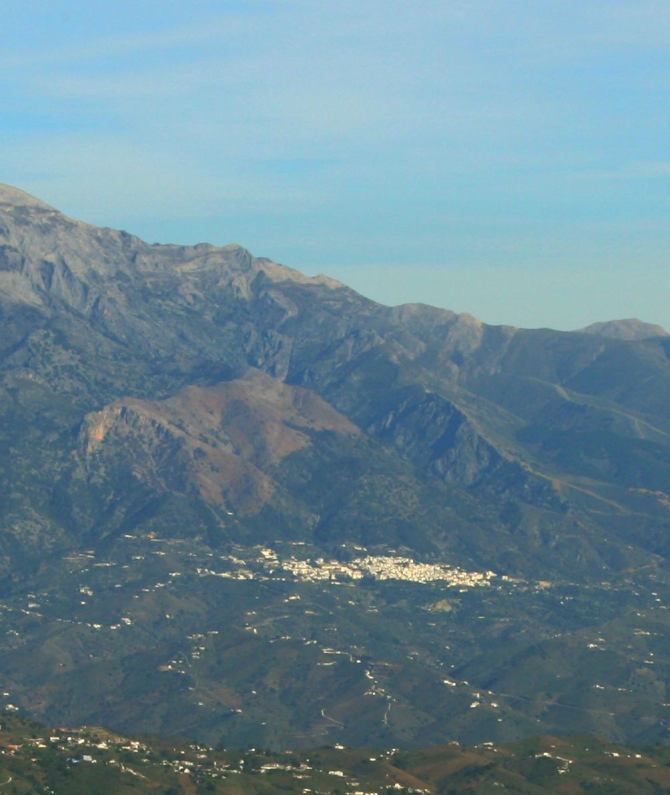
<point>66,761</point>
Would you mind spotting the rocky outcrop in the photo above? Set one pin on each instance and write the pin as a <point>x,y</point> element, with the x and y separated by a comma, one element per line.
<point>219,442</point>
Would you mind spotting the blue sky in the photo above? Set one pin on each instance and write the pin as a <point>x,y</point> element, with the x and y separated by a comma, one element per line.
<point>510,158</point>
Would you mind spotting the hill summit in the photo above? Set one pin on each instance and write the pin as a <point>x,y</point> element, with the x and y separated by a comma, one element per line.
<point>630,329</point>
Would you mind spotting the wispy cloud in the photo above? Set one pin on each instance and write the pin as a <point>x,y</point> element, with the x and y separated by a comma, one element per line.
<point>117,47</point>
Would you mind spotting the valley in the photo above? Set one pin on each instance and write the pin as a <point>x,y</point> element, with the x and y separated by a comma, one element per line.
<point>272,647</point>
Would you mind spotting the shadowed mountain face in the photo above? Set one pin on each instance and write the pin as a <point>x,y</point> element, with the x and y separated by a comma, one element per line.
<point>217,399</point>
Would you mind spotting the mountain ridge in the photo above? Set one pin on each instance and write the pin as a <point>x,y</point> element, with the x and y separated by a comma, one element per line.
<point>626,329</point>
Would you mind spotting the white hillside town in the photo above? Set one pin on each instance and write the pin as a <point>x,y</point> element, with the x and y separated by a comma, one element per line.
<point>375,567</point>
<point>383,567</point>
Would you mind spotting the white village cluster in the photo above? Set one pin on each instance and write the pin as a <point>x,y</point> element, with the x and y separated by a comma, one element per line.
<point>377,567</point>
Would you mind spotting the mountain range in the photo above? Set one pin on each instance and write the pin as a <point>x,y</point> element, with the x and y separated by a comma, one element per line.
<point>197,440</point>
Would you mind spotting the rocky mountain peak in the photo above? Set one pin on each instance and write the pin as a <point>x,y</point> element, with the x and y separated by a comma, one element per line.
<point>14,197</point>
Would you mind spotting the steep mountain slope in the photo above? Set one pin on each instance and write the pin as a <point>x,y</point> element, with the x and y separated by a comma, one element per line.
<point>213,440</point>
<point>211,401</point>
